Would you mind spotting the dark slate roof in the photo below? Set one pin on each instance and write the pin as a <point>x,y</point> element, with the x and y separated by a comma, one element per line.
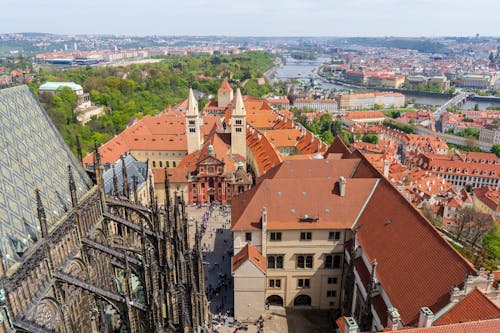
<point>32,155</point>
<point>134,169</point>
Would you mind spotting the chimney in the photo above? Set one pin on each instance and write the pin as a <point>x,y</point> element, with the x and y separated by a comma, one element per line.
<point>264,232</point>
<point>350,325</point>
<point>426,317</point>
<point>342,185</point>
<point>393,319</point>
<point>386,168</point>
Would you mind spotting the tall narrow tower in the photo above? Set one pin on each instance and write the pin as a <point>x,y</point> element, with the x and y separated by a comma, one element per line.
<point>192,124</point>
<point>238,127</point>
<point>224,94</point>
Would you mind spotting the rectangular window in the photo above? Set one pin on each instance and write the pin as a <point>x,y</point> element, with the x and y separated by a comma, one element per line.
<point>192,130</point>
<point>275,283</point>
<point>304,261</point>
<point>334,235</point>
<point>275,236</point>
<point>238,121</point>
<point>248,236</point>
<point>191,122</point>
<point>305,235</point>
<point>303,283</point>
<point>332,280</point>
<point>332,261</point>
<point>238,129</point>
<point>275,261</point>
<point>331,293</point>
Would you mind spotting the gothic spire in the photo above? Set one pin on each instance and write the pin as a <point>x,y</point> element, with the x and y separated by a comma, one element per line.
<point>151,191</point>
<point>42,218</point>
<point>115,182</point>
<point>167,192</point>
<point>72,187</point>
<point>134,185</point>
<point>79,150</point>
<point>126,191</point>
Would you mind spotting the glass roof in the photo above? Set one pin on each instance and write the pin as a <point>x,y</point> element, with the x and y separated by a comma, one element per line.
<point>32,155</point>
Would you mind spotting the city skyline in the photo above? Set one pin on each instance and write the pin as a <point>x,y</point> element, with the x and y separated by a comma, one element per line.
<point>279,18</point>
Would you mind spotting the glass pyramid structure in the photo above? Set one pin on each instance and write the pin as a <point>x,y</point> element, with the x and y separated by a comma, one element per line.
<point>32,155</point>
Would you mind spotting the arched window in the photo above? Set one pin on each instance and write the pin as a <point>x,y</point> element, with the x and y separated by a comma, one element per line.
<point>168,164</point>
<point>154,164</point>
<point>271,263</point>
<point>175,164</point>
<point>300,262</point>
<point>161,164</point>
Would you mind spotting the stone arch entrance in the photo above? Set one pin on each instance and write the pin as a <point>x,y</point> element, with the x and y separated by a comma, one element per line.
<point>274,300</point>
<point>302,301</point>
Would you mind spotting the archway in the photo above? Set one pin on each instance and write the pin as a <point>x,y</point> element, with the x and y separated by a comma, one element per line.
<point>302,301</point>
<point>274,300</point>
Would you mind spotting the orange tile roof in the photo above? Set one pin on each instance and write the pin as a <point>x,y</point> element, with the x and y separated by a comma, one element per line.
<point>475,306</point>
<point>484,326</point>
<point>265,154</point>
<point>283,137</point>
<point>338,146</point>
<point>299,187</point>
<point>248,252</point>
<point>364,115</point>
<point>490,196</point>
<point>225,86</point>
<point>401,271</point>
<point>288,200</point>
<point>162,132</point>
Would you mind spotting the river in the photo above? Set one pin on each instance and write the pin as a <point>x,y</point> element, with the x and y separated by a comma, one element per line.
<point>301,69</point>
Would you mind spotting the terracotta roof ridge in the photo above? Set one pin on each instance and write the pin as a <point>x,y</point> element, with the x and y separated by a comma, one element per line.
<point>366,202</point>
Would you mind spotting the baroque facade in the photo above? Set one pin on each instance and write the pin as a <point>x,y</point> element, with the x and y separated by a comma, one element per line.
<point>101,264</point>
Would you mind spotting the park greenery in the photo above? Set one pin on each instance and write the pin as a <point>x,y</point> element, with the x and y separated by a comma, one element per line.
<point>495,149</point>
<point>405,128</point>
<point>145,89</point>
<point>325,126</point>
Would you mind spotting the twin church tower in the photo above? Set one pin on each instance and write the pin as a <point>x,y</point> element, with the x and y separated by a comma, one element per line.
<point>237,121</point>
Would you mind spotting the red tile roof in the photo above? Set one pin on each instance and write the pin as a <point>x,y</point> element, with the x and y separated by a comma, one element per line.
<point>485,326</point>
<point>302,188</point>
<point>163,132</point>
<point>225,87</point>
<point>475,306</point>
<point>490,196</point>
<point>248,253</point>
<point>387,234</point>
<point>338,146</point>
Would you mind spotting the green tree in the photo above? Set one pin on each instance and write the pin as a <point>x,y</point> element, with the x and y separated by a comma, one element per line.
<point>370,138</point>
<point>327,137</point>
<point>491,242</point>
<point>495,149</point>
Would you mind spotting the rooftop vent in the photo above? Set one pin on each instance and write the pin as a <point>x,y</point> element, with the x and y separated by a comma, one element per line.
<point>307,218</point>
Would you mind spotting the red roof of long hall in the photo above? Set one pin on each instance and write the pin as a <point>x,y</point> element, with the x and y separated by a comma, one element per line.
<point>475,306</point>
<point>164,131</point>
<point>484,326</point>
<point>248,252</point>
<point>410,253</point>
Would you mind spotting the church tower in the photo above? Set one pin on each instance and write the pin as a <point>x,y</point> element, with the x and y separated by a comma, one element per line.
<point>224,94</point>
<point>238,127</point>
<point>192,124</point>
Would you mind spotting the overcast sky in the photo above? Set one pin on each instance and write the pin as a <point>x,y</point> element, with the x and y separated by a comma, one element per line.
<point>253,17</point>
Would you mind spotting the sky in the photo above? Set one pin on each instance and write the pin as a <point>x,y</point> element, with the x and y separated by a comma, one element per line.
<point>253,17</point>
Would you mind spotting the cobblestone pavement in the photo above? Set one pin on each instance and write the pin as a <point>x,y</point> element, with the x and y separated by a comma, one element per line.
<point>214,222</point>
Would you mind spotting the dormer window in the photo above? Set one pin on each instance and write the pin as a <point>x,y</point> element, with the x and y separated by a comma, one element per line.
<point>493,173</point>
<point>449,169</point>
<point>457,170</point>
<point>476,171</point>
